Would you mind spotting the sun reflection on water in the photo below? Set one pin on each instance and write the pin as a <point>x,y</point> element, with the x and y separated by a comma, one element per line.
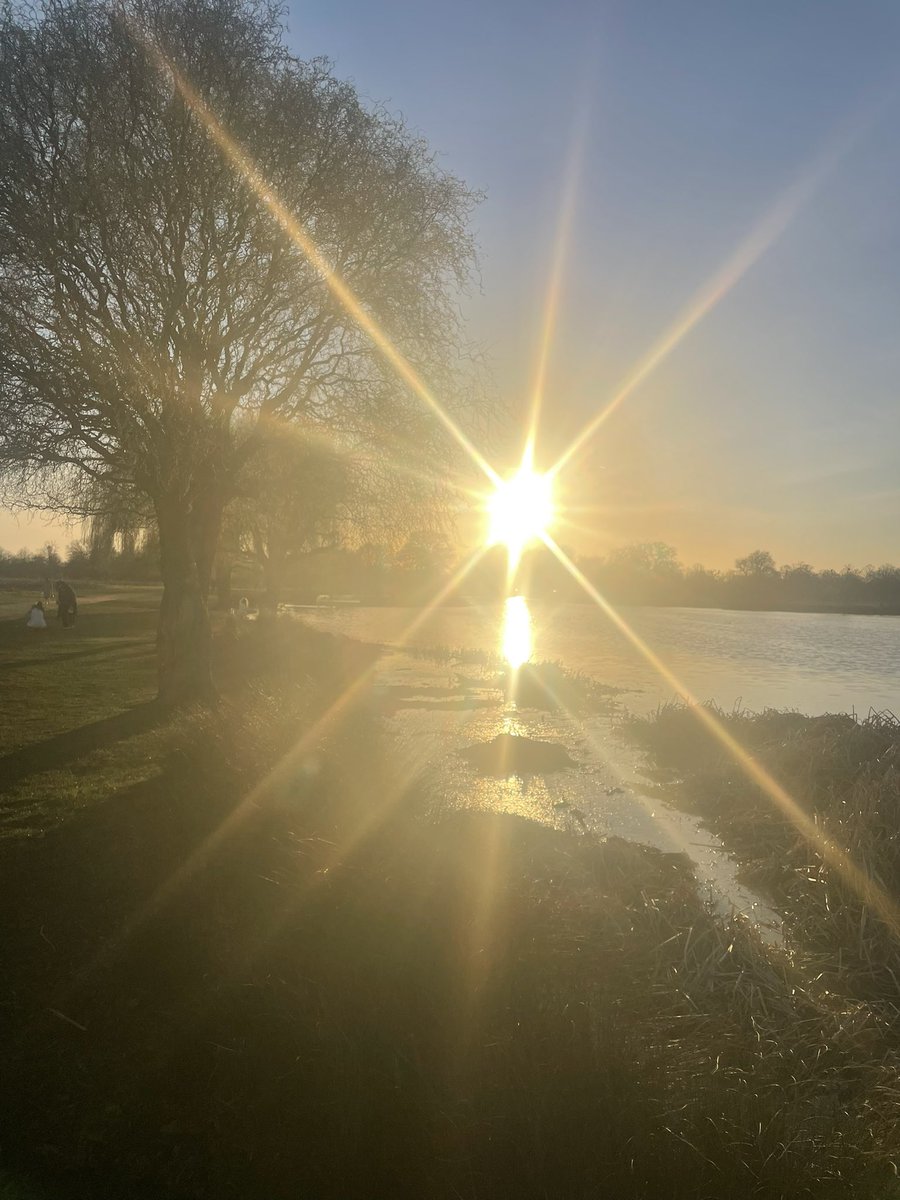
<point>516,643</point>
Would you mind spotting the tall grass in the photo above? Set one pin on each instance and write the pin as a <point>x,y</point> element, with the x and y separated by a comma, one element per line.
<point>843,774</point>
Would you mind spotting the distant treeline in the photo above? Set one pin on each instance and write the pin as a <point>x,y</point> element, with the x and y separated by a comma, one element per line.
<point>650,573</point>
<point>645,573</point>
<point>129,561</point>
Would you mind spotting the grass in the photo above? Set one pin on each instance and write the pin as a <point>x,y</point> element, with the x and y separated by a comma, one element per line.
<point>56,678</point>
<point>843,774</point>
<point>216,986</point>
<point>75,724</point>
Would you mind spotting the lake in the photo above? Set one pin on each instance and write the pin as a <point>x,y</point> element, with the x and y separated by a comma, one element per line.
<point>812,662</point>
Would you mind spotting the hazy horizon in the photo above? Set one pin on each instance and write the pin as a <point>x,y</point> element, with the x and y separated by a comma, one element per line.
<point>773,422</point>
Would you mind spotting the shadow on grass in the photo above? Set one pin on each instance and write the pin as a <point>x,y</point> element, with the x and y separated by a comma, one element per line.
<point>64,748</point>
<point>49,660</point>
<point>94,621</point>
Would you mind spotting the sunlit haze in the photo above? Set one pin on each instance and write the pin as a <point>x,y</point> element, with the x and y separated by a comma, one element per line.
<point>773,422</point>
<point>678,129</point>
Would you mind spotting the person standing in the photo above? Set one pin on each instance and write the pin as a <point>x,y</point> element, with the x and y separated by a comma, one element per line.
<point>66,603</point>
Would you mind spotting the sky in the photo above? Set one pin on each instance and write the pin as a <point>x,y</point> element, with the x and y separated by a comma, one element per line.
<point>719,142</point>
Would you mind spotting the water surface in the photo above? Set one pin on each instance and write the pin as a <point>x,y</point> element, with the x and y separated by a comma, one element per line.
<point>812,662</point>
<point>763,658</point>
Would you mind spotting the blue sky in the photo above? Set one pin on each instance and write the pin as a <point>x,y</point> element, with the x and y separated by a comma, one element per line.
<point>775,421</point>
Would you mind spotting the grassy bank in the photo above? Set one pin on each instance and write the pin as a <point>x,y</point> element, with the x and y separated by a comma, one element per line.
<point>843,776</point>
<point>75,707</point>
<point>223,981</point>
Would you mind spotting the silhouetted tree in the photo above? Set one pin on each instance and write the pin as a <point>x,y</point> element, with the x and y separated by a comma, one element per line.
<point>853,587</point>
<point>297,498</point>
<point>423,564</point>
<point>643,572</point>
<point>760,564</point>
<point>78,560</point>
<point>702,586</point>
<point>883,584</point>
<point>148,297</point>
<point>800,583</point>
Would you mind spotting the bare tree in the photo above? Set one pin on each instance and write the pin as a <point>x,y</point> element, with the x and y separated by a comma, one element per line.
<point>759,564</point>
<point>301,494</point>
<point>297,497</point>
<point>154,318</point>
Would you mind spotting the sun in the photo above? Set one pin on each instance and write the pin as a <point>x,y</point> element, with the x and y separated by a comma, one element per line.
<point>520,510</point>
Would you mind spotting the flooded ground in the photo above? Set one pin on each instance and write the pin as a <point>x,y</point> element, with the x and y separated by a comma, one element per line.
<point>439,713</point>
<point>808,662</point>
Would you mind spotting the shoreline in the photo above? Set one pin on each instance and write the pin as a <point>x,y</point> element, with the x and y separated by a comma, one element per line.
<point>538,601</point>
<point>826,853</point>
<point>91,588</point>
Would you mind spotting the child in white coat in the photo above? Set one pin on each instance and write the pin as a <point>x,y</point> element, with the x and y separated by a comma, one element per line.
<point>36,618</point>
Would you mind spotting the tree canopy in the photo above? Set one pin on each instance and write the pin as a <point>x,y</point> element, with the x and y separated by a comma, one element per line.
<point>155,319</point>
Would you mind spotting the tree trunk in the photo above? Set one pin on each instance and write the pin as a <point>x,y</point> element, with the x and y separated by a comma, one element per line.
<point>273,579</point>
<point>223,571</point>
<point>184,639</point>
<point>205,526</point>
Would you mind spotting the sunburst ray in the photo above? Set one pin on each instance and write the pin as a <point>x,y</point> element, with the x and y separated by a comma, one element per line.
<point>869,891</point>
<point>761,238</point>
<point>265,193</point>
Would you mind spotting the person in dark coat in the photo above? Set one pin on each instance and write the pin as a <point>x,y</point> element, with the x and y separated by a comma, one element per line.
<point>66,603</point>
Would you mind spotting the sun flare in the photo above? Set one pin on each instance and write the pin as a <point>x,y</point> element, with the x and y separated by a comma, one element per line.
<point>520,510</point>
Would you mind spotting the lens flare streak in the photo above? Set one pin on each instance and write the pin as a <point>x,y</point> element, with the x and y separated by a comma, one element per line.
<point>522,507</point>
<point>866,888</point>
<point>758,242</point>
<point>281,775</point>
<point>264,192</point>
<point>553,297</point>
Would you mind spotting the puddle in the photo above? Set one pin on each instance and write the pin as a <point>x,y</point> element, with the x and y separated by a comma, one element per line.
<point>573,773</point>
